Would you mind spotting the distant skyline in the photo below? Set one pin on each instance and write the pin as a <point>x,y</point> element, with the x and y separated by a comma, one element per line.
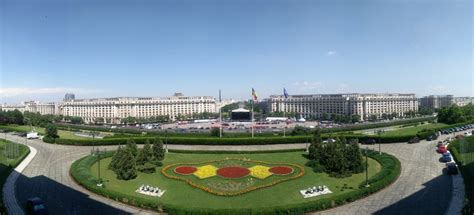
<point>156,48</point>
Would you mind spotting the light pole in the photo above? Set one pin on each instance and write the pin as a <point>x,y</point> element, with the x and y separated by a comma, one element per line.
<point>98,152</point>
<point>93,133</point>
<point>366,167</point>
<point>379,132</point>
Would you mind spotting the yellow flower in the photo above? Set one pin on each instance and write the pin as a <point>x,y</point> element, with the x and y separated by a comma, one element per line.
<point>205,171</point>
<point>260,172</point>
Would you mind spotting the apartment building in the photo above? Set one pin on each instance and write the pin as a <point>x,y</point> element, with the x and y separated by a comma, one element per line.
<point>34,107</point>
<point>363,105</point>
<point>112,110</point>
<point>436,101</point>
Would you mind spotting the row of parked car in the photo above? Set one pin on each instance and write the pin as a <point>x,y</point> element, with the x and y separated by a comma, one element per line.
<point>446,157</point>
<point>457,129</point>
<point>442,147</point>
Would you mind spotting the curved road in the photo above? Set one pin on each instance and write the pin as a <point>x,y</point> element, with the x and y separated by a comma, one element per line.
<point>421,189</point>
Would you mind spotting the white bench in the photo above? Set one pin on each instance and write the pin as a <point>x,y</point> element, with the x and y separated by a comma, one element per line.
<point>315,193</point>
<point>153,191</point>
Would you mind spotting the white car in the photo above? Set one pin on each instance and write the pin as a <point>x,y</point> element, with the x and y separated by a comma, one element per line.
<point>467,133</point>
<point>32,135</point>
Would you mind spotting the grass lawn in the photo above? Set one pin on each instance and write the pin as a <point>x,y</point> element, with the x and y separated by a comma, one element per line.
<point>284,193</point>
<point>11,154</point>
<point>412,130</point>
<point>62,133</point>
<point>22,128</point>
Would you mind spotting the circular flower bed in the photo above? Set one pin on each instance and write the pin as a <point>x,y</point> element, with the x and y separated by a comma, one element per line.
<point>281,170</point>
<point>233,172</point>
<point>185,170</point>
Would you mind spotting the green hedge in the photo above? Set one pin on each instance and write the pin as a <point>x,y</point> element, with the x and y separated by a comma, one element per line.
<point>186,141</point>
<point>224,141</point>
<point>377,125</point>
<point>468,176</point>
<point>391,168</point>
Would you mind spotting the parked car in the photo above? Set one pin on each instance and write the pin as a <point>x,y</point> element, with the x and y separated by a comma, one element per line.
<point>432,137</point>
<point>467,133</point>
<point>32,135</point>
<point>451,168</point>
<point>446,157</point>
<point>330,140</point>
<point>369,141</point>
<point>440,144</point>
<point>414,140</point>
<point>442,149</point>
<point>36,206</point>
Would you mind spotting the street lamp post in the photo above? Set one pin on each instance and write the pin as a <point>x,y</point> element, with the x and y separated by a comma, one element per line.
<point>93,134</point>
<point>379,132</point>
<point>98,165</point>
<point>366,167</point>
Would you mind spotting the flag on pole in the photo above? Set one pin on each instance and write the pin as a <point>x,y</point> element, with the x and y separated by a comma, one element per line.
<point>285,93</point>
<point>254,95</point>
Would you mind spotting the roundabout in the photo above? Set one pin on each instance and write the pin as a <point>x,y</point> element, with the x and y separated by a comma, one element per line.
<point>52,164</point>
<point>232,183</point>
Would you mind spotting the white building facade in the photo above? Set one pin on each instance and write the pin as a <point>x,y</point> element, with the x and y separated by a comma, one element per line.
<point>42,108</point>
<point>112,110</point>
<point>463,101</point>
<point>34,107</point>
<point>363,105</point>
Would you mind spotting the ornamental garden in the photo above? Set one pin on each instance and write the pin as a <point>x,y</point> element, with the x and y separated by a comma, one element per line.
<point>180,182</point>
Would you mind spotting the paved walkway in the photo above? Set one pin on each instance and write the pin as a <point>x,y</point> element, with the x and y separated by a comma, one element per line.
<point>8,190</point>
<point>457,200</point>
<point>421,188</point>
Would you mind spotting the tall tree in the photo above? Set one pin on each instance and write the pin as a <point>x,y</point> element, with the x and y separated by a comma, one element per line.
<point>127,166</point>
<point>315,148</point>
<point>51,131</point>
<point>116,158</point>
<point>158,150</point>
<point>145,154</point>
<point>132,147</point>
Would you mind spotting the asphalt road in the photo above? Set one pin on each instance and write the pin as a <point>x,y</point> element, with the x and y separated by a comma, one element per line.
<point>421,189</point>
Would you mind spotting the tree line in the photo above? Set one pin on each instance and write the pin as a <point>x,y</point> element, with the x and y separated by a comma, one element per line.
<point>456,114</point>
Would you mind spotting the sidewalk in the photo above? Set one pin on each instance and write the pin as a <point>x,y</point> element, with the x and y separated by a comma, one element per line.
<point>9,198</point>
<point>457,196</point>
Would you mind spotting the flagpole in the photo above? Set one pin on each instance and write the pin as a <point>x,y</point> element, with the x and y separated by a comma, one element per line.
<point>220,114</point>
<point>284,116</point>
<point>252,118</point>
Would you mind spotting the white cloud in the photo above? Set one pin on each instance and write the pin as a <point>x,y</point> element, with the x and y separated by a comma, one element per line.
<point>16,91</point>
<point>343,88</point>
<point>331,53</point>
<point>308,87</point>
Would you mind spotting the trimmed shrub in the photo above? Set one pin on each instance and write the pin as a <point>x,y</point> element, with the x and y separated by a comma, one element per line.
<point>146,168</point>
<point>425,133</point>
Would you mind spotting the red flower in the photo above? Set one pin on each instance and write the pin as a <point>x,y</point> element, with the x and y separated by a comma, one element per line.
<point>281,170</point>
<point>185,170</point>
<point>233,172</point>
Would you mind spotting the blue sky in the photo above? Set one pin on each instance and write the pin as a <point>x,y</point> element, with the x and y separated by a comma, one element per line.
<point>156,48</point>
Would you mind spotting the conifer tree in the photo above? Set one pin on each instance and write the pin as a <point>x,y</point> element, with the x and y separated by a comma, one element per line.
<point>158,150</point>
